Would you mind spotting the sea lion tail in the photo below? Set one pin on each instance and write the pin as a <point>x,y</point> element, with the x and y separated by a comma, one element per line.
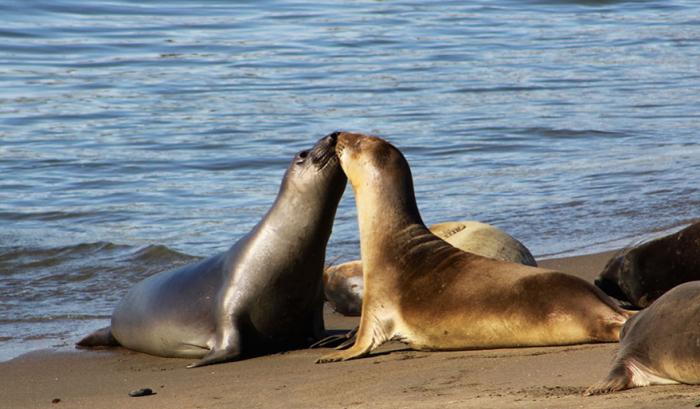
<point>101,338</point>
<point>619,378</point>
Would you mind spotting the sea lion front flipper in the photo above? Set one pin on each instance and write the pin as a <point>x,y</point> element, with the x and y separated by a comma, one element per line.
<point>619,378</point>
<point>365,342</point>
<point>337,341</point>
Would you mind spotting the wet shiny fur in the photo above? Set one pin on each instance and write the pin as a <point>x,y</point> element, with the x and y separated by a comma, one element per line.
<point>262,295</point>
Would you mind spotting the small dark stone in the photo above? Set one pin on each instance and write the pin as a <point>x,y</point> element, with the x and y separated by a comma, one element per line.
<point>55,400</point>
<point>141,392</point>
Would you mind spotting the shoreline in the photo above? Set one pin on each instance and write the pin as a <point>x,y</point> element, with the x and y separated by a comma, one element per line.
<point>394,376</point>
<point>65,342</point>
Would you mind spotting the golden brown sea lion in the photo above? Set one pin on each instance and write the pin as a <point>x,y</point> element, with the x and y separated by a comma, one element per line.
<point>424,292</point>
<point>343,285</point>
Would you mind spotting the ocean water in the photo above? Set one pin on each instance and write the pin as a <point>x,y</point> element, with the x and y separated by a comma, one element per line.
<point>137,136</point>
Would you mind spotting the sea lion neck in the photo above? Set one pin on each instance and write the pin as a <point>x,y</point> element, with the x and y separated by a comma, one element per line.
<point>387,224</point>
<point>311,211</point>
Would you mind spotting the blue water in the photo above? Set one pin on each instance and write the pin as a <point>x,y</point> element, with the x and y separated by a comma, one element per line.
<point>136,136</point>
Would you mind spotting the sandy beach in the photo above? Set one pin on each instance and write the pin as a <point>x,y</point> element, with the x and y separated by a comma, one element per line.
<point>394,377</point>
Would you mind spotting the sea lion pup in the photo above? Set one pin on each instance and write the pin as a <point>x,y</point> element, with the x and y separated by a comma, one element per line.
<point>343,286</point>
<point>659,345</point>
<point>262,295</point>
<point>424,292</point>
<point>641,274</point>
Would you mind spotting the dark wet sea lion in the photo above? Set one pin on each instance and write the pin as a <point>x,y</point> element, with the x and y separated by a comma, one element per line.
<point>641,274</point>
<point>343,285</point>
<point>660,345</point>
<point>422,291</point>
<point>262,295</point>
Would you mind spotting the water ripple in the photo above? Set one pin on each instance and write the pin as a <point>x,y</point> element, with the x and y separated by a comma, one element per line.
<point>148,131</point>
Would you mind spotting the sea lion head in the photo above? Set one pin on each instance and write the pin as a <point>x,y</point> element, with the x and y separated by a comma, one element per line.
<point>609,279</point>
<point>316,170</point>
<point>626,276</point>
<point>377,170</point>
<point>363,157</point>
<point>313,184</point>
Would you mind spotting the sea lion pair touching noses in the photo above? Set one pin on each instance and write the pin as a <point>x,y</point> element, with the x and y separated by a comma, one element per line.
<point>264,294</point>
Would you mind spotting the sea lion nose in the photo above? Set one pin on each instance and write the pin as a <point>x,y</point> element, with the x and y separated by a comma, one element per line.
<point>333,137</point>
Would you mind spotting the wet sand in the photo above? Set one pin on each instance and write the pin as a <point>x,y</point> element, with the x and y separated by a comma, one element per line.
<point>393,377</point>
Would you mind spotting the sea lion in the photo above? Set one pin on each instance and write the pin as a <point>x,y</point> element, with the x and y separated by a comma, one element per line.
<point>659,345</point>
<point>641,274</point>
<point>424,292</point>
<point>343,286</point>
<point>262,295</point>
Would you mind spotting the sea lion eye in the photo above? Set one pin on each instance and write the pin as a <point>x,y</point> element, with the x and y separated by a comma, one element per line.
<point>301,156</point>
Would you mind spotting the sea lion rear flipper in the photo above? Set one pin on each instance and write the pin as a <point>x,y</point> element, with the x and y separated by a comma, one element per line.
<point>228,348</point>
<point>101,338</point>
<point>619,378</point>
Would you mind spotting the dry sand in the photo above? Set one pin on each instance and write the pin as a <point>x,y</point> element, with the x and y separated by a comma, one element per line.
<point>552,377</point>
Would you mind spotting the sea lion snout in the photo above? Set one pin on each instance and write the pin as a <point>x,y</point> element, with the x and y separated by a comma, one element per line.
<point>333,137</point>
<point>323,152</point>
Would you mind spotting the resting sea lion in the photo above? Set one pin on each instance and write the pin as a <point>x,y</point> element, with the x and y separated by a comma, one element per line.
<point>659,345</point>
<point>424,292</point>
<point>642,274</point>
<point>343,286</point>
<point>262,295</point>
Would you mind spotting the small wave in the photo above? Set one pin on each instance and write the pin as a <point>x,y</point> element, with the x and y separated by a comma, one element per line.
<point>569,133</point>
<point>45,216</point>
<point>17,34</point>
<point>54,318</point>
<point>257,163</point>
<point>28,257</point>
<point>160,253</point>
<point>37,257</point>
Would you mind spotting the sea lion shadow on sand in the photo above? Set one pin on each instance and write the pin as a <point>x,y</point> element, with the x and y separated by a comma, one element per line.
<point>262,295</point>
